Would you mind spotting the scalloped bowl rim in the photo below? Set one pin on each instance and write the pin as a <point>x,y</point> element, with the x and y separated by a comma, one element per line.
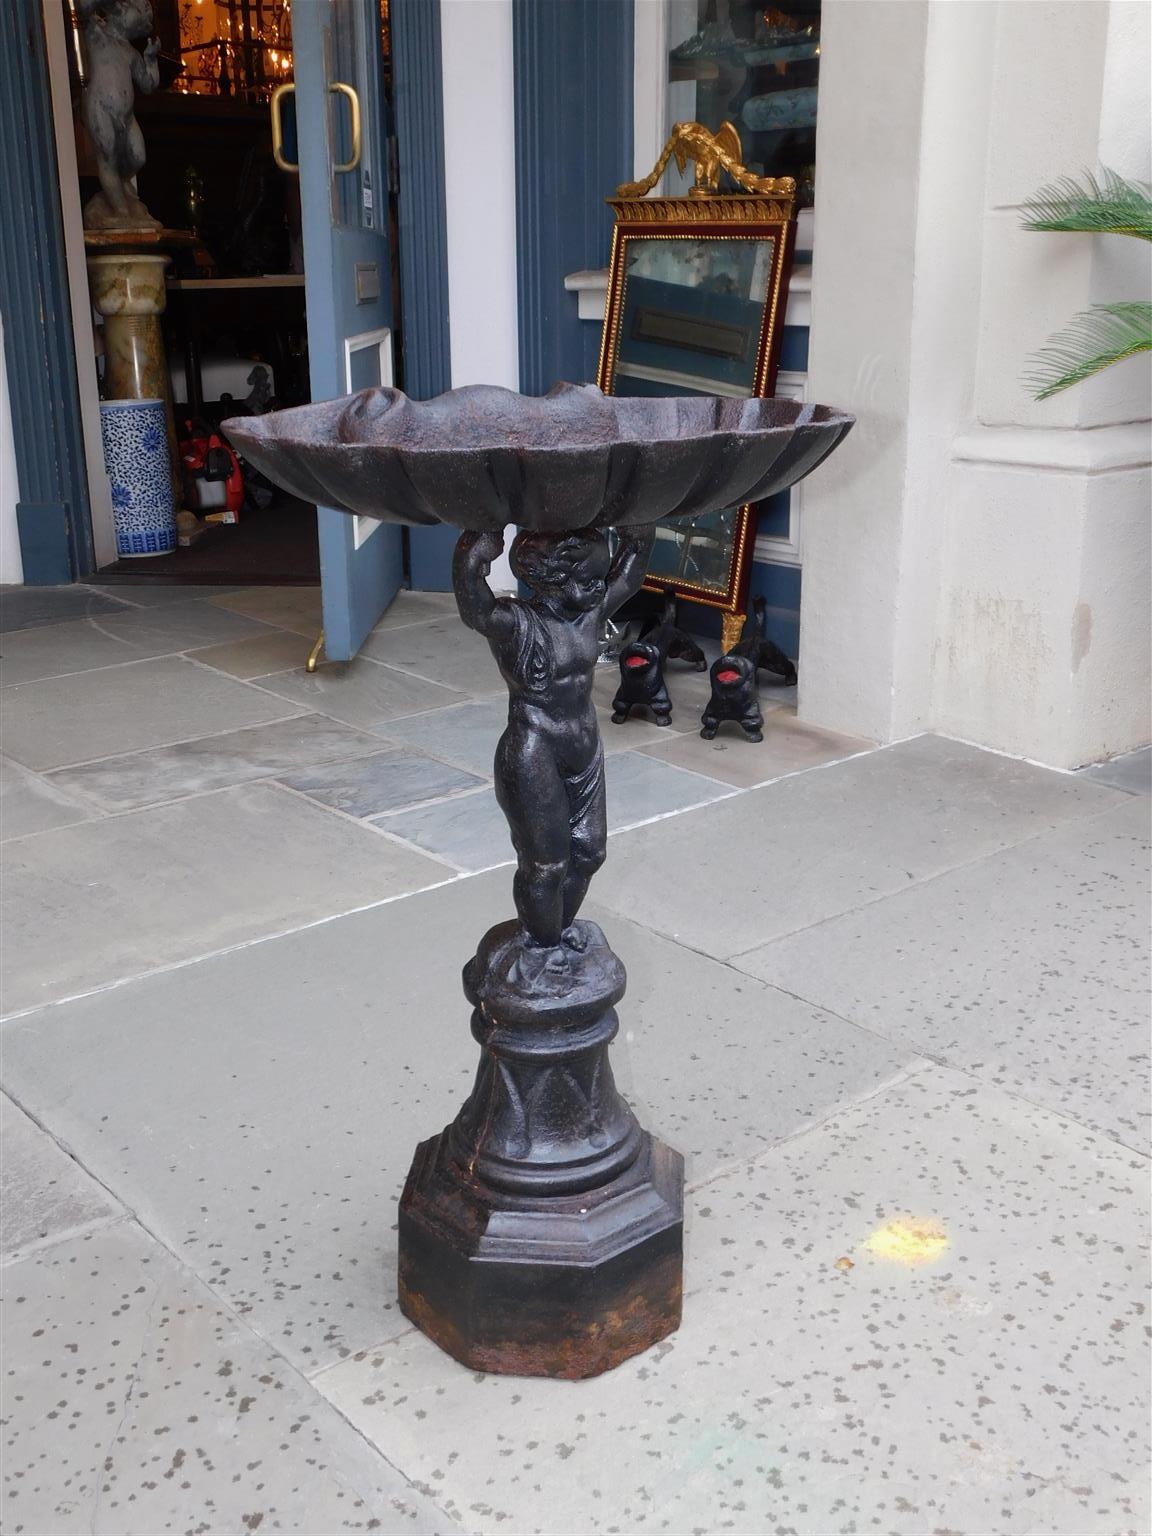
<point>253,425</point>
<point>482,456</point>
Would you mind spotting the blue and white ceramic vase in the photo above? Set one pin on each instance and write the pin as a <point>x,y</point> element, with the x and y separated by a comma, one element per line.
<point>135,434</point>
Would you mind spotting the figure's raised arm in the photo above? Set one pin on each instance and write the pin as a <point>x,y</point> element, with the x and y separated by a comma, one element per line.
<point>472,561</point>
<point>626,575</point>
<point>145,69</point>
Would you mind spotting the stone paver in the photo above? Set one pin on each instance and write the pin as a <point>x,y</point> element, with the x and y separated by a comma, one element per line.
<point>363,692</point>
<point>266,1016</point>
<point>471,832</point>
<point>385,781</point>
<point>277,650</point>
<point>1132,772</point>
<point>467,734</point>
<point>442,650</point>
<point>788,747</point>
<point>30,803</point>
<point>214,762</point>
<point>260,1109</point>
<point>86,906</point>
<point>292,608</point>
<point>415,608</point>
<point>53,650</point>
<point>27,607</point>
<point>75,719</point>
<point>136,1404</point>
<point>822,843</point>
<point>1029,969</point>
<point>44,1193</point>
<point>158,593</point>
<point>821,1382</point>
<point>133,634</point>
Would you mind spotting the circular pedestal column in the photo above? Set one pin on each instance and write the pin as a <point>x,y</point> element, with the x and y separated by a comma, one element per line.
<point>127,290</point>
<point>541,1233</point>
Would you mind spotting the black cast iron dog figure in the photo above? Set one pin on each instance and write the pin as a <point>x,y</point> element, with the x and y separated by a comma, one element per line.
<point>754,645</point>
<point>541,1232</point>
<point>642,661</point>
<point>734,697</point>
<point>735,694</point>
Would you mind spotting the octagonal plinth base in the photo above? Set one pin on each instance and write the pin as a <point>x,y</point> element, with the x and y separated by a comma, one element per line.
<point>565,1286</point>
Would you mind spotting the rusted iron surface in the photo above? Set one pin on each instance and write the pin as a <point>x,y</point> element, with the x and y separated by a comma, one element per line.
<point>569,1288</point>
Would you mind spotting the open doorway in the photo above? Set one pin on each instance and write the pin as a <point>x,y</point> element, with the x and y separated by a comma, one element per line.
<point>235,328</point>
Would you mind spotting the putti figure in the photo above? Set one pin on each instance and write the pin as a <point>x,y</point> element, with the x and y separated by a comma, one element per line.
<point>549,766</point>
<point>116,71</point>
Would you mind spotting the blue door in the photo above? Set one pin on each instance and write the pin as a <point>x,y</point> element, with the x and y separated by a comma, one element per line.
<point>340,124</point>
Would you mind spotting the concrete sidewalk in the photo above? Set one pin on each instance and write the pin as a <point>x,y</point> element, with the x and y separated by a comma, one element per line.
<point>891,1004</point>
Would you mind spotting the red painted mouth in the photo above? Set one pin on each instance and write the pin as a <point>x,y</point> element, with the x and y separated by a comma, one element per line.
<point>727,676</point>
<point>636,661</point>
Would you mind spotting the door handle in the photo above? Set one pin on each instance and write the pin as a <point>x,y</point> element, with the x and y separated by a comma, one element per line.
<point>276,107</point>
<point>276,111</point>
<point>353,160</point>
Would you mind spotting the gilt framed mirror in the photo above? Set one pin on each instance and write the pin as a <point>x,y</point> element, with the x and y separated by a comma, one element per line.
<point>697,290</point>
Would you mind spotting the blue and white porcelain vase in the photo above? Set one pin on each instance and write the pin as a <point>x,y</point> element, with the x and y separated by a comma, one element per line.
<point>135,434</point>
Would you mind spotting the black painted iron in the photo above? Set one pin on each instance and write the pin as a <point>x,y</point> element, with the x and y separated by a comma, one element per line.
<point>541,1232</point>
<point>642,683</point>
<point>759,649</point>
<point>550,762</point>
<point>734,697</point>
<point>735,681</point>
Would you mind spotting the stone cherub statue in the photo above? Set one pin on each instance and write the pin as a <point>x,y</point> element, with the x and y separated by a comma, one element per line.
<point>550,761</point>
<point>116,71</point>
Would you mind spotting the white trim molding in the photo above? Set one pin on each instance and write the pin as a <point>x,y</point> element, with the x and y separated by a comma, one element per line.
<point>379,340</point>
<point>773,548</point>
<point>649,84</point>
<point>591,290</point>
<point>483,298</point>
<point>1079,451</point>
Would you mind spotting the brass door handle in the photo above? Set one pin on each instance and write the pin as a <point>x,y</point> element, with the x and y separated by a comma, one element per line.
<point>354,105</point>
<point>275,108</point>
<point>277,113</point>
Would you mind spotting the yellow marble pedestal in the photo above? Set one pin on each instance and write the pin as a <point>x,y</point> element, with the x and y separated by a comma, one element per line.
<point>126,281</point>
<point>128,293</point>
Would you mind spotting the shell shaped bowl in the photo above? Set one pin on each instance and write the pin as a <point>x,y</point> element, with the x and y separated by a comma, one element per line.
<point>481,456</point>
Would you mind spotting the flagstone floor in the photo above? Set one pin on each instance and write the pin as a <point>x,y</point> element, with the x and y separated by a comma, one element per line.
<point>891,1004</point>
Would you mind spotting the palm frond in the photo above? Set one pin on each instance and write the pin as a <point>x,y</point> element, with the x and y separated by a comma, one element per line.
<point>1091,342</point>
<point>1105,205</point>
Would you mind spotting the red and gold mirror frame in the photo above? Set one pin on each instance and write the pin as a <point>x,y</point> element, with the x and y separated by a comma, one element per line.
<point>721,316</point>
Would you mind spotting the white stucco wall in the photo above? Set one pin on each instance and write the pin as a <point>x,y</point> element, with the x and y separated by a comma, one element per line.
<point>975,562</point>
<point>11,569</point>
<point>650,46</point>
<point>480,190</point>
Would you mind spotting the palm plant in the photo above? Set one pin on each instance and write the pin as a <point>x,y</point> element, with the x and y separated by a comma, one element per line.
<point>1106,333</point>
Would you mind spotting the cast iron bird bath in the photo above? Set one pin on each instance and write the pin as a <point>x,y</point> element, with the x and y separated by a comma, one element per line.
<point>541,1232</point>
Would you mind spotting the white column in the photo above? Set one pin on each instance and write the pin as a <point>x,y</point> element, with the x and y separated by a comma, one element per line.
<point>975,562</point>
<point>480,193</point>
<point>860,356</point>
<point>649,83</point>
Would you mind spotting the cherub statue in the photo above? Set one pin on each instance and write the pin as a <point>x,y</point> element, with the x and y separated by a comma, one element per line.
<point>550,761</point>
<point>116,70</point>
